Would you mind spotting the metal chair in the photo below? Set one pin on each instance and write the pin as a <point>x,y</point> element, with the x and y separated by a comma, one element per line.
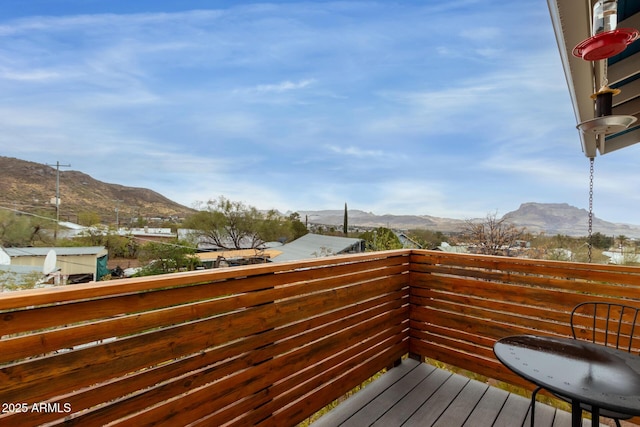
<point>608,324</point>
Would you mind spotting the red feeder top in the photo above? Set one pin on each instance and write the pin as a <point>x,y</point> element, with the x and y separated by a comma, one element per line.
<point>606,44</point>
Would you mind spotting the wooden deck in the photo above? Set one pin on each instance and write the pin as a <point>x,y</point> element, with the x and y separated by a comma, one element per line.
<point>418,394</point>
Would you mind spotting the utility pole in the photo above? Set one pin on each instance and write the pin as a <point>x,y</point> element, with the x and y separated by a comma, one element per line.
<point>118,213</point>
<point>57,165</point>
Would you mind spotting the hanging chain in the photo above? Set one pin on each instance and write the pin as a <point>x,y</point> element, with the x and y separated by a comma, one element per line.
<point>590,245</point>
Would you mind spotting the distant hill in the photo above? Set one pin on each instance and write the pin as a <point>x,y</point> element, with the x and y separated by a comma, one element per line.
<point>550,218</point>
<point>367,219</point>
<point>562,218</point>
<point>31,187</point>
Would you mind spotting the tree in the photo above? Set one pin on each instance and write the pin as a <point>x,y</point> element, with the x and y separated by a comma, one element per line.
<point>271,227</point>
<point>428,239</point>
<point>601,241</point>
<point>493,235</point>
<point>117,245</point>
<point>234,225</point>
<point>167,258</point>
<point>297,227</point>
<point>345,226</point>
<point>11,281</point>
<point>276,227</point>
<point>21,230</point>
<point>227,224</point>
<point>381,239</point>
<point>88,218</point>
<point>622,240</point>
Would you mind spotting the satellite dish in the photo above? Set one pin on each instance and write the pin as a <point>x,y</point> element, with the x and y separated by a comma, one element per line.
<point>5,259</point>
<point>50,262</point>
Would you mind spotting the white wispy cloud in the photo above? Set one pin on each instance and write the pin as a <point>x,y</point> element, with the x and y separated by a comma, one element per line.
<point>282,86</point>
<point>355,151</point>
<point>29,75</point>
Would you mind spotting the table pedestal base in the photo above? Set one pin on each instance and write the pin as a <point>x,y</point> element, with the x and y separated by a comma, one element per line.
<point>576,415</point>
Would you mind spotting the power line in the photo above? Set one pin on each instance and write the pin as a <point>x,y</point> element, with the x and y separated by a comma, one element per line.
<point>26,213</point>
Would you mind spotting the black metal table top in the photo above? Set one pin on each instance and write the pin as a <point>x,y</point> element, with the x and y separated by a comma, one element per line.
<point>579,370</point>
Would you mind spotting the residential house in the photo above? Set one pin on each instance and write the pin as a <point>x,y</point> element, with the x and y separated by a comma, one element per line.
<point>317,245</point>
<point>77,264</point>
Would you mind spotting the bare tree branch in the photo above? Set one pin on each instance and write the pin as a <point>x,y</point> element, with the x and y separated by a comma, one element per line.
<point>493,236</point>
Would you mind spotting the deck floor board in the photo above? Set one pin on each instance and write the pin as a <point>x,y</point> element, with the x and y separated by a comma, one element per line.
<point>463,405</point>
<point>416,394</point>
<point>390,397</point>
<point>488,407</point>
<point>398,414</point>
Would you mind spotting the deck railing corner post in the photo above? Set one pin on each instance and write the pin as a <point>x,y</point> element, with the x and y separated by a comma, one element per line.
<point>416,356</point>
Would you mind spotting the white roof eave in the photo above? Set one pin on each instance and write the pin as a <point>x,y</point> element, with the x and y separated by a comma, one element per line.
<point>571,22</point>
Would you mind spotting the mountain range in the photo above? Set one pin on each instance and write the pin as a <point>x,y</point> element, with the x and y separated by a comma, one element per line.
<point>549,218</point>
<point>31,187</point>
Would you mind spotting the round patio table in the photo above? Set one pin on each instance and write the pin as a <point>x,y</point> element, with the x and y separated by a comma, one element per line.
<point>583,372</point>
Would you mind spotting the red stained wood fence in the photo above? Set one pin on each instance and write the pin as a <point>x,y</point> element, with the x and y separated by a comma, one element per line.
<point>272,344</point>
<point>240,346</point>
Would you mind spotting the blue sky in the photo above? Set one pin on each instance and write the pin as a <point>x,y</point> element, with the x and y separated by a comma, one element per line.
<point>453,109</point>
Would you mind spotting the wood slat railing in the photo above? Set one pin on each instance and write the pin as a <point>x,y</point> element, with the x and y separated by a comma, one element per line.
<point>268,343</point>
<point>272,344</point>
<point>461,304</point>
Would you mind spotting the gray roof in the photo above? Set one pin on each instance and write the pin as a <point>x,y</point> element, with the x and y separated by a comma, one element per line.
<point>316,245</point>
<point>446,247</point>
<point>60,251</point>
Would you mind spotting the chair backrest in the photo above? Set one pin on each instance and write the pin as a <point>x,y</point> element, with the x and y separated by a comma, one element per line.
<point>610,324</point>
